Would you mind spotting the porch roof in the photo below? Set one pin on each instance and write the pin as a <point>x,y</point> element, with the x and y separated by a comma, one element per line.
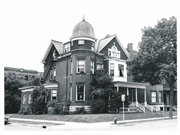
<point>130,84</point>
<point>51,84</point>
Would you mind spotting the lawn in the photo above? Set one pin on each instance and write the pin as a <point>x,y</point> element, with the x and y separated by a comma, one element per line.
<point>91,118</point>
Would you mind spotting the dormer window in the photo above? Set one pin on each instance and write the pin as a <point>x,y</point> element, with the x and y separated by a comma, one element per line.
<point>80,42</point>
<point>66,47</point>
<point>113,52</point>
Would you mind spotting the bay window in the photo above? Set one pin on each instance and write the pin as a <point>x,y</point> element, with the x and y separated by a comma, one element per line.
<point>121,70</point>
<point>54,95</point>
<point>80,66</point>
<point>160,96</point>
<point>112,69</point>
<point>92,67</point>
<point>153,96</point>
<point>80,92</point>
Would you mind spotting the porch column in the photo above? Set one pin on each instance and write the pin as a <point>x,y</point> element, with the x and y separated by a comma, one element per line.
<point>127,91</point>
<point>145,102</point>
<point>136,97</point>
<point>117,88</point>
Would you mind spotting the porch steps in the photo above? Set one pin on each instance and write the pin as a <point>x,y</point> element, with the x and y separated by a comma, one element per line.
<point>174,108</point>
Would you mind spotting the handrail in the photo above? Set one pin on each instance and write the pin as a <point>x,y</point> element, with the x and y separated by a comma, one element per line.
<point>149,107</point>
<point>156,110</point>
<point>141,107</point>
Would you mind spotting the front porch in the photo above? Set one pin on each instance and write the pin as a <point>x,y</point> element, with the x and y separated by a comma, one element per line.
<point>136,93</point>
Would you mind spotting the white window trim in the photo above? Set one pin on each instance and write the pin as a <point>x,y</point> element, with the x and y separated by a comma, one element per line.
<point>154,97</point>
<point>24,99</point>
<point>77,65</point>
<point>29,98</point>
<point>160,97</point>
<point>83,92</point>
<point>80,42</point>
<point>52,93</point>
<point>111,50</point>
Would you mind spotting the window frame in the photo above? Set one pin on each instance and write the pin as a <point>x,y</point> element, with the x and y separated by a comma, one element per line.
<point>92,66</point>
<point>29,99</point>
<point>121,70</point>
<point>113,52</point>
<point>160,97</point>
<point>111,69</point>
<point>53,73</point>
<point>24,99</point>
<point>153,97</point>
<point>92,46</point>
<point>52,94</point>
<point>77,67</point>
<point>100,65</point>
<point>83,92</point>
<point>80,42</point>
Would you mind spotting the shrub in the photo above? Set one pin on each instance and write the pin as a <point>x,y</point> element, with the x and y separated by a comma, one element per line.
<point>65,112</point>
<point>51,104</point>
<point>98,106</point>
<point>58,109</point>
<point>79,110</point>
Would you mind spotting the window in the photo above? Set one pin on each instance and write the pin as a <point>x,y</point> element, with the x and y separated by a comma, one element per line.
<point>160,96</point>
<point>99,66</point>
<point>80,42</point>
<point>66,47</point>
<point>71,92</point>
<point>71,67</point>
<point>80,93</point>
<point>112,69</point>
<point>53,74</point>
<point>53,95</point>
<point>92,46</point>
<point>24,99</point>
<point>153,96</point>
<point>113,52</point>
<point>29,102</point>
<point>80,66</point>
<point>92,67</point>
<point>121,70</point>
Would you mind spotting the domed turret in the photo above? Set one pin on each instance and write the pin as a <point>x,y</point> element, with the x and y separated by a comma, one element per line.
<point>83,30</point>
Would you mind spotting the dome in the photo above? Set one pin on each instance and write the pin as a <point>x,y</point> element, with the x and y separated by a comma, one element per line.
<point>83,29</point>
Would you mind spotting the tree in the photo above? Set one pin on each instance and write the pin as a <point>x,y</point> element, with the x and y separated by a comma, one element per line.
<point>12,95</point>
<point>99,92</point>
<point>157,56</point>
<point>38,105</point>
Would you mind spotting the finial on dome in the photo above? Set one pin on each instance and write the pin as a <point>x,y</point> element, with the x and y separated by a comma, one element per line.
<point>83,17</point>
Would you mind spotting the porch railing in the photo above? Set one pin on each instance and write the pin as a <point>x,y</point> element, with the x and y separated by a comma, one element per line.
<point>141,107</point>
<point>149,107</point>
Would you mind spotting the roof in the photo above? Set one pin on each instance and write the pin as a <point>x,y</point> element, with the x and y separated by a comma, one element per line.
<point>100,44</point>
<point>83,29</point>
<point>58,45</point>
<point>27,87</point>
<point>131,84</point>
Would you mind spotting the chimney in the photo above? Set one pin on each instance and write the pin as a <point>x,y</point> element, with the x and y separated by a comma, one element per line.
<point>108,35</point>
<point>130,47</point>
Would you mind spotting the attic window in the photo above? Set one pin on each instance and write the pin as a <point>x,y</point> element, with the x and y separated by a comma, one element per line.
<point>66,47</point>
<point>113,52</point>
<point>80,42</point>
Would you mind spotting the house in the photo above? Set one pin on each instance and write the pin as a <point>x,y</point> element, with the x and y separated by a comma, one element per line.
<point>69,66</point>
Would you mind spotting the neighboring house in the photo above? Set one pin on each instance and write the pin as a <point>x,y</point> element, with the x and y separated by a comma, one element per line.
<point>69,66</point>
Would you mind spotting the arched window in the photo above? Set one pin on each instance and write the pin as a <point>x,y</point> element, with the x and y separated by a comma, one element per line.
<point>113,52</point>
<point>24,99</point>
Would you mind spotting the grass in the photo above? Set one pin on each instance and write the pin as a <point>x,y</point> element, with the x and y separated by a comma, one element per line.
<point>91,118</point>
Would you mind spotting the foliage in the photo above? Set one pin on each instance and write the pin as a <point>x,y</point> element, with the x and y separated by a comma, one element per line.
<point>51,104</point>
<point>66,104</point>
<point>116,101</point>
<point>35,82</point>
<point>80,110</point>
<point>157,56</point>
<point>58,109</point>
<point>12,94</point>
<point>98,106</point>
<point>38,105</point>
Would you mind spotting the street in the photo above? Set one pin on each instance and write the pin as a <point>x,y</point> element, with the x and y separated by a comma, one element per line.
<point>169,125</point>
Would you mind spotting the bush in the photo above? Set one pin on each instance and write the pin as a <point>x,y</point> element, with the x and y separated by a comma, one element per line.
<point>79,110</point>
<point>51,104</point>
<point>65,112</point>
<point>98,106</point>
<point>58,109</point>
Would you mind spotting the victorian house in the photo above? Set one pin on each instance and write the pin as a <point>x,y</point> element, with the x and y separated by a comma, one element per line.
<point>69,66</point>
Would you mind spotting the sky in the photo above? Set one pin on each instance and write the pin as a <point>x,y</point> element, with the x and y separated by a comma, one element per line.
<point>27,26</point>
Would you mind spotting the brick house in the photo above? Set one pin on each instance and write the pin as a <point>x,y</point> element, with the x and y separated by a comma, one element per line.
<point>69,66</point>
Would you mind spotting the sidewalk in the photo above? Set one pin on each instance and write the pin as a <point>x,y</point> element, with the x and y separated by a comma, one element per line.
<point>98,123</point>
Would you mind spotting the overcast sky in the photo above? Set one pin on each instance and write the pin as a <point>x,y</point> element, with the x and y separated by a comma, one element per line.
<point>27,27</point>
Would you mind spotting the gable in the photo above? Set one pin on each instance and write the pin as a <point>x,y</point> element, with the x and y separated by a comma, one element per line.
<point>54,45</point>
<point>114,41</point>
